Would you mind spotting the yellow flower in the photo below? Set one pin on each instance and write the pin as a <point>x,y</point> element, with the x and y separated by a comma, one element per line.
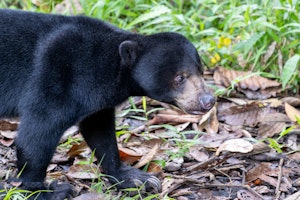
<point>224,41</point>
<point>219,45</point>
<point>213,60</point>
<point>216,58</point>
<point>227,42</point>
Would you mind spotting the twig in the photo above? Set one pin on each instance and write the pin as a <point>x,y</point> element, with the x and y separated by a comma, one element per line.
<point>277,190</point>
<point>138,130</point>
<point>185,179</point>
<point>247,187</point>
<point>227,168</point>
<point>165,118</point>
<point>213,161</point>
<point>173,187</point>
<point>243,176</point>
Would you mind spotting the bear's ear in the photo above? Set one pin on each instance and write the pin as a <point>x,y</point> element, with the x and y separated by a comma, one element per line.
<point>128,52</point>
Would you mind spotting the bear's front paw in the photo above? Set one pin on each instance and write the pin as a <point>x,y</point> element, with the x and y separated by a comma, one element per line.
<point>54,191</point>
<point>129,177</point>
<point>60,191</point>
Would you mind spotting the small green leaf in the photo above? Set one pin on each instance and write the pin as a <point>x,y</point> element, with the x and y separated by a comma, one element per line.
<point>247,15</point>
<point>286,131</point>
<point>245,46</point>
<point>273,144</point>
<point>139,118</point>
<point>289,69</point>
<point>144,103</point>
<point>154,12</point>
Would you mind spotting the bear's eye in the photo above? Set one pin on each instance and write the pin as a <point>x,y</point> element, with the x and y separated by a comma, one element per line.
<point>179,79</point>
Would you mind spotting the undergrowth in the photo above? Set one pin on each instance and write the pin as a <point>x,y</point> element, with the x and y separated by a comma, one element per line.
<point>247,35</point>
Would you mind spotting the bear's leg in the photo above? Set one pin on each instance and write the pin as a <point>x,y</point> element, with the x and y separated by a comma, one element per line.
<point>36,143</point>
<point>99,132</point>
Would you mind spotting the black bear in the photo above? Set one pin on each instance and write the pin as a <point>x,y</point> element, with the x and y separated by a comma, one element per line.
<point>57,71</point>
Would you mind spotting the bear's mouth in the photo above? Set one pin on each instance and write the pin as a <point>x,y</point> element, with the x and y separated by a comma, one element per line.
<point>191,111</point>
<point>196,112</point>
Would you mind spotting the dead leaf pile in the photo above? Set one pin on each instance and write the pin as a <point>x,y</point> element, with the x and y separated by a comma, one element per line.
<point>250,84</point>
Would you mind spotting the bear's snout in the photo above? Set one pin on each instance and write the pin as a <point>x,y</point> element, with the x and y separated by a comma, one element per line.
<point>207,101</point>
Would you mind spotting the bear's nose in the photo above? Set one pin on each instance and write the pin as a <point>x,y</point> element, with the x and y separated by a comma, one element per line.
<point>207,101</point>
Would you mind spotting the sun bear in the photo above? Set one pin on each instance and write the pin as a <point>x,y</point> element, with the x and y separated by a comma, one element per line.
<point>57,71</point>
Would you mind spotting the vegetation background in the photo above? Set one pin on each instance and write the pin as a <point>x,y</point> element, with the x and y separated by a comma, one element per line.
<point>257,35</point>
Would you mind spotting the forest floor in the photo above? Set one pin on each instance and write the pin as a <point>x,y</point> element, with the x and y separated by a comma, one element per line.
<point>246,147</point>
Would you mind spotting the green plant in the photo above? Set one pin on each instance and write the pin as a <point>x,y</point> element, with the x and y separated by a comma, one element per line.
<point>274,143</point>
<point>254,35</point>
<point>19,194</point>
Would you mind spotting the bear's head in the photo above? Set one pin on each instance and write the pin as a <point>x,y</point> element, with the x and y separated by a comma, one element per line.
<point>167,67</point>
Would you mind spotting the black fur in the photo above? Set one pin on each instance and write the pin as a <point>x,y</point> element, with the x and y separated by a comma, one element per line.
<point>56,71</point>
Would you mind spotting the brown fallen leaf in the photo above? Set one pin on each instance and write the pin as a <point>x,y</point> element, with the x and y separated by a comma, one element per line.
<point>261,94</point>
<point>77,149</point>
<point>128,156</point>
<point>51,167</point>
<point>291,112</point>
<point>82,171</point>
<point>166,118</point>
<point>273,102</point>
<point>293,101</point>
<point>215,140</point>
<point>272,181</point>
<point>265,168</point>
<point>154,168</point>
<point>253,86</point>
<point>223,76</point>
<point>198,154</point>
<point>209,121</point>
<point>163,133</point>
<point>245,195</point>
<point>272,124</point>
<point>59,158</point>
<point>237,101</point>
<point>148,157</point>
<point>55,175</point>
<point>182,192</point>
<point>248,114</point>
<point>295,196</point>
<point>170,184</point>
<point>295,156</point>
<point>269,129</point>
<point>260,147</point>
<point>92,196</point>
<point>235,145</point>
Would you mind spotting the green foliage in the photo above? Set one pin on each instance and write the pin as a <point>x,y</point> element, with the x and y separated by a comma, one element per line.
<point>228,29</point>
<point>233,83</point>
<point>290,69</point>
<point>236,34</point>
<point>274,143</point>
<point>18,194</point>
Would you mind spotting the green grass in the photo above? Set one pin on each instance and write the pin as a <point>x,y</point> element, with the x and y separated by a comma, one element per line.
<point>230,33</point>
<point>228,30</point>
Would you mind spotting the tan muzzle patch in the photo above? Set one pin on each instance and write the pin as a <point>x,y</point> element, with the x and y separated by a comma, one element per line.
<point>196,97</point>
